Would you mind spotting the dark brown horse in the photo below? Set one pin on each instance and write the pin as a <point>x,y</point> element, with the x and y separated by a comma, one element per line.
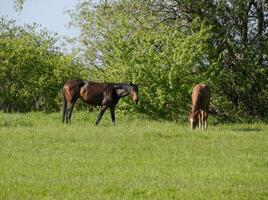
<point>105,95</point>
<point>200,106</point>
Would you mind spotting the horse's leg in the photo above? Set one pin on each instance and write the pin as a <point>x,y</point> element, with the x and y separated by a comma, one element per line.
<point>102,110</point>
<point>66,114</point>
<point>71,107</point>
<point>112,109</point>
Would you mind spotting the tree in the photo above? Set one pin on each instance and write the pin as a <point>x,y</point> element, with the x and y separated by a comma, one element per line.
<point>169,45</point>
<point>32,68</point>
<point>122,41</point>
<point>169,42</point>
<point>239,44</point>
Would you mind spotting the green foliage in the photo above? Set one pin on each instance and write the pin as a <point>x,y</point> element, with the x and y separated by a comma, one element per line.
<point>32,69</point>
<point>136,159</point>
<point>168,46</point>
<point>163,60</point>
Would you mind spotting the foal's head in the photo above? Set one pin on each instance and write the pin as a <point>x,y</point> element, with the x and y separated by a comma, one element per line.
<point>134,89</point>
<point>193,118</point>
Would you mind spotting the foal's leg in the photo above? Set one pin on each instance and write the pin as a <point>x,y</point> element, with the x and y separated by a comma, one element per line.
<point>112,109</point>
<point>203,120</point>
<point>64,108</point>
<point>206,120</point>
<point>102,110</point>
<point>199,119</point>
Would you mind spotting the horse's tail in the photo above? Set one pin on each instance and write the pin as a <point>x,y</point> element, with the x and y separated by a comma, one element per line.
<point>81,83</point>
<point>64,107</point>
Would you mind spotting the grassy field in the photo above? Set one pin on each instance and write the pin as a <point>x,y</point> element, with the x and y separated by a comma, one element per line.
<point>137,159</point>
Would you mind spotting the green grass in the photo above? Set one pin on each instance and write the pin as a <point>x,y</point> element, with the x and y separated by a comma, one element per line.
<point>137,159</point>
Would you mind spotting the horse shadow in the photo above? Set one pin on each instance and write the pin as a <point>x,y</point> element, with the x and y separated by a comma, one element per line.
<point>247,129</point>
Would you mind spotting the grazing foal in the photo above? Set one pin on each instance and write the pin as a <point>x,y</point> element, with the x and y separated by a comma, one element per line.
<point>200,106</point>
<point>105,95</point>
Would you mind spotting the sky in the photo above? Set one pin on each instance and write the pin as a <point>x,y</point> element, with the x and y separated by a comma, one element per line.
<point>48,13</point>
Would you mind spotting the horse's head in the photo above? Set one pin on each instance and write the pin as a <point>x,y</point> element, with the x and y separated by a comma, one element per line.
<point>134,89</point>
<point>193,118</point>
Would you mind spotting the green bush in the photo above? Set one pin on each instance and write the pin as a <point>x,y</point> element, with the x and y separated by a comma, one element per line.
<point>32,68</point>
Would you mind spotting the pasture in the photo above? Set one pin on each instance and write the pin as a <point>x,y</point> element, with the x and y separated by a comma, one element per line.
<point>41,158</point>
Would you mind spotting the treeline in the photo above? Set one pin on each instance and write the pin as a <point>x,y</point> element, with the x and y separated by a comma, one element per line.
<point>167,46</point>
<point>170,45</point>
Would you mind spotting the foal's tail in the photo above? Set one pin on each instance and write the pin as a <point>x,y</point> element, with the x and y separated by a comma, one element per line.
<point>64,107</point>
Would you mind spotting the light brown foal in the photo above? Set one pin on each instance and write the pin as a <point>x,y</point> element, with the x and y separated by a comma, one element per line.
<point>200,106</point>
